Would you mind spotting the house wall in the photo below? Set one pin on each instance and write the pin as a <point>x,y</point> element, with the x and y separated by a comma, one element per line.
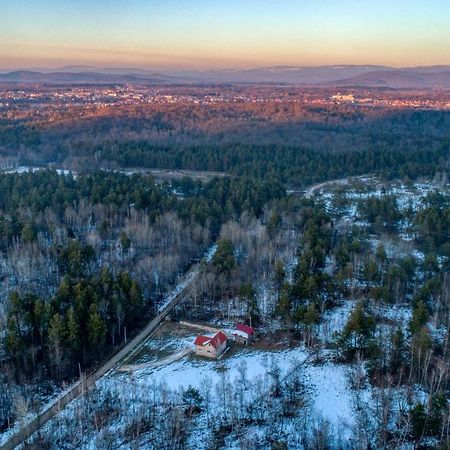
<point>206,350</point>
<point>209,351</point>
<point>240,339</point>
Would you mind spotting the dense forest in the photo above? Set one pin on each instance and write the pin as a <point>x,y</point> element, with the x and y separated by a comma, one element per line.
<point>328,274</point>
<point>298,144</point>
<point>84,258</point>
<point>352,274</point>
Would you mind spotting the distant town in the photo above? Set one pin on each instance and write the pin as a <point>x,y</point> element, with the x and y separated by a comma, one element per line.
<point>18,102</point>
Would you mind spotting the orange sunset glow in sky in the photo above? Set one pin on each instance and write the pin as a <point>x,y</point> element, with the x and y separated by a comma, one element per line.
<point>223,34</point>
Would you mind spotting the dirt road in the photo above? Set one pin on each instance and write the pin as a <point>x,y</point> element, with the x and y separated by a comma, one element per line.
<point>160,363</point>
<point>311,190</point>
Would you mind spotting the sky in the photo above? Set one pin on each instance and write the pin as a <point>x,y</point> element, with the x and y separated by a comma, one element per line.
<point>213,34</point>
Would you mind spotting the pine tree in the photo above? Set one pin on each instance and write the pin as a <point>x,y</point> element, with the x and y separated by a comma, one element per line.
<point>357,331</point>
<point>14,341</point>
<point>42,314</point>
<point>279,275</point>
<point>224,260</point>
<point>192,401</point>
<point>438,410</point>
<point>73,330</point>
<point>56,335</point>
<point>419,317</point>
<point>28,233</point>
<point>136,303</point>
<point>106,281</point>
<point>397,355</point>
<point>418,419</point>
<point>284,309</point>
<point>125,242</point>
<point>311,315</point>
<point>248,293</point>
<point>96,329</point>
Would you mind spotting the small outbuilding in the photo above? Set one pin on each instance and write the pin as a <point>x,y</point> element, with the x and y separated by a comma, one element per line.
<point>243,334</point>
<point>211,347</point>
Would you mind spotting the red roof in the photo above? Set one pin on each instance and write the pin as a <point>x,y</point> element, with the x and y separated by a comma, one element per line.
<point>245,329</point>
<point>201,340</point>
<point>215,341</point>
<point>218,339</point>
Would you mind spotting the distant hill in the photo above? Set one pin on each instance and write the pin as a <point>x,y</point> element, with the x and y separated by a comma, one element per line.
<point>400,78</point>
<point>345,76</point>
<point>281,74</point>
<point>358,76</point>
<point>27,76</point>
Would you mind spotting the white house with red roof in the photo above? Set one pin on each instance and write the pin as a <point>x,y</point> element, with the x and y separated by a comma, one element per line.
<point>211,347</point>
<point>243,334</point>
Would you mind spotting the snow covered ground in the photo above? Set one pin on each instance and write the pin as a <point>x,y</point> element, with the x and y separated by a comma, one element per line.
<point>333,398</point>
<point>25,169</point>
<point>193,371</point>
<point>408,196</point>
<point>328,393</point>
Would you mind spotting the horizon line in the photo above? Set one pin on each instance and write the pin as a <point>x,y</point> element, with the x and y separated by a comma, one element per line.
<point>212,69</point>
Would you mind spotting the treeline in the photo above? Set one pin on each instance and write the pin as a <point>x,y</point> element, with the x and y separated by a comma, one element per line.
<point>299,144</point>
<point>44,189</point>
<point>298,165</point>
<point>23,197</point>
<point>84,319</point>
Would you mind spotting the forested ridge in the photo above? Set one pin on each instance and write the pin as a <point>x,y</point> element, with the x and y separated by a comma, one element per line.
<point>298,144</point>
<point>294,165</point>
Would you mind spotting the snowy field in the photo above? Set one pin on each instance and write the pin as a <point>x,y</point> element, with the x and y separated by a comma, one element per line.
<point>28,169</point>
<point>328,393</point>
<point>193,371</point>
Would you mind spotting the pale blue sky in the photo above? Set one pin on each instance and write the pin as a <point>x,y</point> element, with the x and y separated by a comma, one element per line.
<point>227,33</point>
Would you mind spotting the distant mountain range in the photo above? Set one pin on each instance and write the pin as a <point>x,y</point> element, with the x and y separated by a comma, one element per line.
<point>56,77</point>
<point>339,76</point>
